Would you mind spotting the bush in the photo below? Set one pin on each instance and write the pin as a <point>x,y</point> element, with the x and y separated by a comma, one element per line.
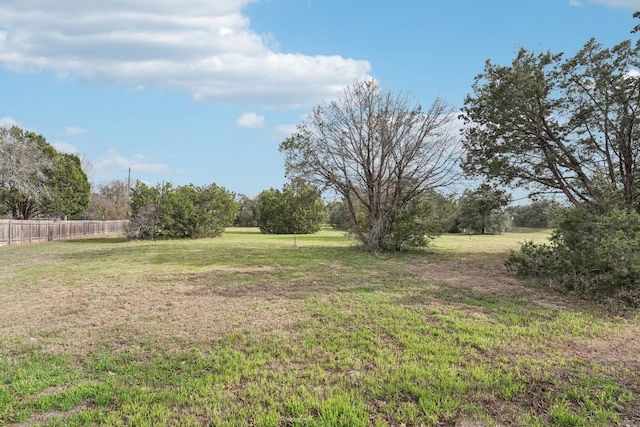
<point>184,212</point>
<point>297,209</point>
<point>416,226</point>
<point>590,255</point>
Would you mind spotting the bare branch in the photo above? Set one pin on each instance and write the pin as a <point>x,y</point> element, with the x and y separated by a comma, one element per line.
<point>376,150</point>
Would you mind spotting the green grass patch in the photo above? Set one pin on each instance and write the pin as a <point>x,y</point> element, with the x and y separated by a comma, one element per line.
<point>253,329</point>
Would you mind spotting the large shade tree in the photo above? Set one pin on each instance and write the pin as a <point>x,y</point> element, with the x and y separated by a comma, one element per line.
<point>378,151</point>
<point>22,171</point>
<point>556,125</point>
<point>35,178</point>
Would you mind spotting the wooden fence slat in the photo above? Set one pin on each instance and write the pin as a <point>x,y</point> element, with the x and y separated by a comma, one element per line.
<point>15,232</point>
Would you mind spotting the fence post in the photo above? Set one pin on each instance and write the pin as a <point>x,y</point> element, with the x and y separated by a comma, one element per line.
<point>10,232</point>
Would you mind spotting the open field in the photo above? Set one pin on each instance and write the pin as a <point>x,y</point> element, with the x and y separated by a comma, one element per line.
<point>248,329</point>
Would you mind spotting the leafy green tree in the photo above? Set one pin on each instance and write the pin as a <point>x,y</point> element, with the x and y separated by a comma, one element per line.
<point>70,188</point>
<point>569,126</point>
<point>35,178</point>
<point>338,215</point>
<point>249,212</point>
<point>297,209</point>
<point>143,194</point>
<point>482,210</point>
<point>443,210</point>
<point>214,209</point>
<point>537,214</point>
<point>145,201</point>
<point>377,151</point>
<point>559,125</point>
<point>417,225</point>
<point>179,214</point>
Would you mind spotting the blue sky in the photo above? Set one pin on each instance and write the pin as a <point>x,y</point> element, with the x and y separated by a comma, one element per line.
<point>203,91</point>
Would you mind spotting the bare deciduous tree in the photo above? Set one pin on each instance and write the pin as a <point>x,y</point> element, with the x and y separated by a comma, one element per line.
<point>378,151</point>
<point>23,168</point>
<point>111,201</point>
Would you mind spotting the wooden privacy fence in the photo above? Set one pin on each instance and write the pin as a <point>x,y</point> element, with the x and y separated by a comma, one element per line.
<point>15,232</point>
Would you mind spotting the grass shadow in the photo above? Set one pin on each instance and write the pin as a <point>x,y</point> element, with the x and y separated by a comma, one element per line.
<point>97,240</point>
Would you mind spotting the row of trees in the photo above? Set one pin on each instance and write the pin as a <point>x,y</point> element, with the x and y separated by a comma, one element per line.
<point>544,123</point>
<point>297,208</point>
<point>380,153</point>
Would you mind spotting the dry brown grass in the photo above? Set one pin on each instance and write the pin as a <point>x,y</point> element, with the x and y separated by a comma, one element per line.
<point>175,307</point>
<point>486,275</point>
<point>183,309</point>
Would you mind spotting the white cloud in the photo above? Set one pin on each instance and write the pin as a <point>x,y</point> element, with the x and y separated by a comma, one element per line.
<point>7,122</point>
<point>206,48</point>
<point>250,120</point>
<point>73,130</point>
<point>114,164</point>
<point>575,3</point>
<point>286,130</point>
<point>64,147</point>
<point>628,4</point>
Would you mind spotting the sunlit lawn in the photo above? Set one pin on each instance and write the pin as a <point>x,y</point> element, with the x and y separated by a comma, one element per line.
<point>250,329</point>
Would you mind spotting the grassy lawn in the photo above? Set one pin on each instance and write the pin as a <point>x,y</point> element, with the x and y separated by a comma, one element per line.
<point>249,329</point>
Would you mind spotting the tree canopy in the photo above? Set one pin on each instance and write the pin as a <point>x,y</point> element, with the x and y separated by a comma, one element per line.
<point>558,125</point>
<point>35,178</point>
<point>376,150</point>
<point>110,201</point>
<point>187,211</point>
<point>482,210</point>
<point>537,214</point>
<point>568,126</point>
<point>297,209</point>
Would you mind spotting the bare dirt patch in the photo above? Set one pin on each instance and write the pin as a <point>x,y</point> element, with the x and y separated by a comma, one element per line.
<point>488,276</point>
<point>183,309</point>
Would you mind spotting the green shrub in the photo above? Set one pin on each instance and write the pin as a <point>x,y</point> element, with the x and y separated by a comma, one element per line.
<point>415,227</point>
<point>184,212</point>
<point>589,255</point>
<point>298,209</point>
